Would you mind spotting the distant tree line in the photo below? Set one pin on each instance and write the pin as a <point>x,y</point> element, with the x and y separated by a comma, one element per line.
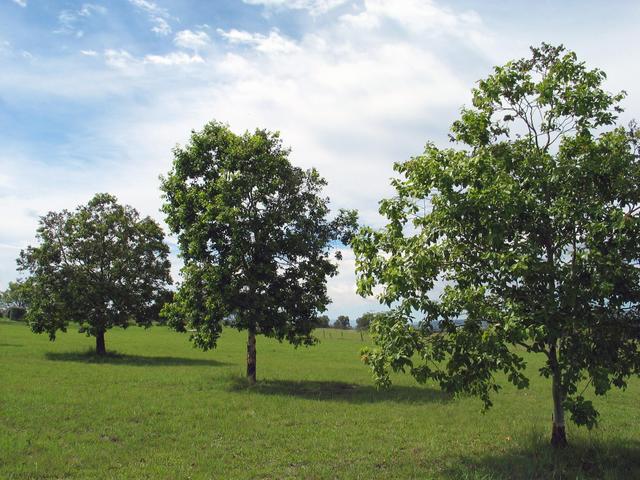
<point>343,322</point>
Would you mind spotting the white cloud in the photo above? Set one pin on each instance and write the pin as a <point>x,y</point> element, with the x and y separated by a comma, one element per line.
<point>342,290</point>
<point>89,53</point>
<point>161,26</point>
<point>89,8</point>
<point>150,7</point>
<point>6,50</point>
<point>69,20</point>
<point>120,59</point>
<point>424,17</point>
<point>192,40</point>
<point>174,58</point>
<point>237,36</point>
<point>158,16</point>
<point>272,43</point>
<point>22,3</point>
<point>314,7</point>
<point>131,66</point>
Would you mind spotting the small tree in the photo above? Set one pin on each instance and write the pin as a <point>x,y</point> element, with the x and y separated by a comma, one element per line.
<point>254,236</point>
<point>342,322</point>
<point>534,228</point>
<point>101,266</point>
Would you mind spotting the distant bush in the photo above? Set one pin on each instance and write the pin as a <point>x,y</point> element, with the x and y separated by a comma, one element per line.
<point>16,313</point>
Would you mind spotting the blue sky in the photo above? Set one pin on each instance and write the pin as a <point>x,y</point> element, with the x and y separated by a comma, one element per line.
<point>93,95</point>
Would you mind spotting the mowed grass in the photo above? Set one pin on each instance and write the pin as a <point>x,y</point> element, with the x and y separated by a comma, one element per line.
<point>161,409</point>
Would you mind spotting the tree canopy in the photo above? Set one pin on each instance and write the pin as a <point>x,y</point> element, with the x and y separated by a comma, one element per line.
<point>255,238</point>
<point>13,301</point>
<point>323,321</point>
<point>527,231</point>
<point>14,295</point>
<point>342,322</point>
<point>101,266</point>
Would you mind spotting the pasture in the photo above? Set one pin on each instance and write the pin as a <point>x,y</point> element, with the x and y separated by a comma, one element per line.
<point>159,408</point>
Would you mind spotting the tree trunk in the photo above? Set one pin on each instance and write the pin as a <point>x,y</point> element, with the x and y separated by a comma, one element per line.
<point>558,432</point>
<point>100,346</point>
<point>251,356</point>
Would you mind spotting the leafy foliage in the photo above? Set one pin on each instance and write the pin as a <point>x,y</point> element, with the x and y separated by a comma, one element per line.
<point>533,230</point>
<point>101,266</point>
<point>254,235</point>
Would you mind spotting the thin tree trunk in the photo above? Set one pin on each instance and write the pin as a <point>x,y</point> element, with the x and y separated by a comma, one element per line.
<point>558,432</point>
<point>251,356</point>
<point>101,349</point>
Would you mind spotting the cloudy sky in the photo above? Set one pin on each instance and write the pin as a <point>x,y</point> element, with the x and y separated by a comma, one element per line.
<point>93,96</point>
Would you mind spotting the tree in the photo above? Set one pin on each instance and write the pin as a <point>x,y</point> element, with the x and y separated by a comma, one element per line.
<point>13,301</point>
<point>323,321</point>
<point>533,229</point>
<point>364,321</point>
<point>14,295</point>
<point>101,266</point>
<point>342,322</point>
<point>254,236</point>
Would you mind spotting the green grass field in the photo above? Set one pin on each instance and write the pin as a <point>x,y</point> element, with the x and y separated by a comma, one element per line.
<point>161,409</point>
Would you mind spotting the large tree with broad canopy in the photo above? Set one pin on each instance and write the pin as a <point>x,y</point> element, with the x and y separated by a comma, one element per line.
<point>255,238</point>
<point>532,226</point>
<point>101,266</point>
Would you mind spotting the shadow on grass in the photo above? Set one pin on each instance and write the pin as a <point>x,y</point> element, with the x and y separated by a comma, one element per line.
<point>588,459</point>
<point>11,345</point>
<point>340,391</point>
<point>115,358</point>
